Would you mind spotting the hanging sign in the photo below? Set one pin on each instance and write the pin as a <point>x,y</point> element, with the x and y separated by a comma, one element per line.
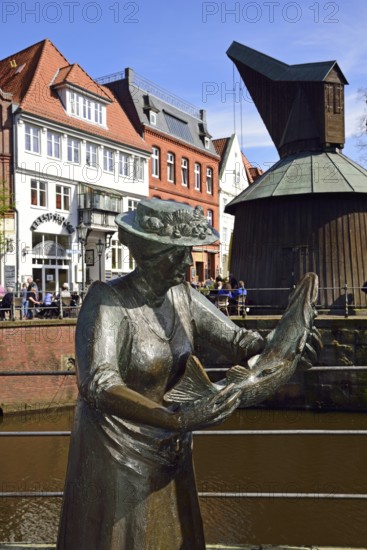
<point>53,217</point>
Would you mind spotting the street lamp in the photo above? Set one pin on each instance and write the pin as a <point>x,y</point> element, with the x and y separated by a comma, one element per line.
<point>82,237</point>
<point>100,247</point>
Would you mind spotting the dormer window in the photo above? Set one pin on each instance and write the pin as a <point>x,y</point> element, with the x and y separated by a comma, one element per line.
<point>98,113</point>
<point>86,108</point>
<point>150,109</point>
<point>206,143</point>
<point>74,103</point>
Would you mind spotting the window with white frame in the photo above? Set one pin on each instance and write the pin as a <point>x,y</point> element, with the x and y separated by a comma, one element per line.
<point>206,143</point>
<point>73,150</point>
<point>209,181</point>
<point>171,167</point>
<point>32,139</point>
<point>62,197</point>
<point>38,193</point>
<point>98,113</point>
<point>225,234</point>
<point>74,103</point>
<point>152,118</point>
<point>185,172</point>
<point>155,162</point>
<point>116,249</point>
<point>210,217</point>
<point>132,205</point>
<point>53,144</point>
<point>123,164</point>
<point>107,160</point>
<point>197,173</point>
<point>138,168</point>
<point>87,108</point>
<point>91,154</point>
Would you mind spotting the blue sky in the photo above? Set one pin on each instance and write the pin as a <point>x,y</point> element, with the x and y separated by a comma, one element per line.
<point>181,45</point>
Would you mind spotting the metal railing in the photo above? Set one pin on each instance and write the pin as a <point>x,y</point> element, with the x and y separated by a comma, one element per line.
<point>258,301</point>
<point>204,494</point>
<point>56,310</point>
<point>212,494</point>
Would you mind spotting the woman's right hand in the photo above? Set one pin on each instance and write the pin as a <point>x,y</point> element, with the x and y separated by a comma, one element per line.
<point>208,411</point>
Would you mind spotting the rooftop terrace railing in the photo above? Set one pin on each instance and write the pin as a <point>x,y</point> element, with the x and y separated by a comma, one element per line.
<point>143,83</point>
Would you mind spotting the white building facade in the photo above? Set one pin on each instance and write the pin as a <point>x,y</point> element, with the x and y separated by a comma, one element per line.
<point>233,180</point>
<point>76,159</point>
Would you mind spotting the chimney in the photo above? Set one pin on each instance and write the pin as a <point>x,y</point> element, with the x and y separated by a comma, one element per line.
<point>129,75</point>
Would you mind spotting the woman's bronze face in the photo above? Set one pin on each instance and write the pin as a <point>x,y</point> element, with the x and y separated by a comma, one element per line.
<point>163,265</point>
<point>167,267</point>
<point>171,264</point>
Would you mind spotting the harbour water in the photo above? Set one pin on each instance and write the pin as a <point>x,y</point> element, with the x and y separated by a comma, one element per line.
<point>257,487</point>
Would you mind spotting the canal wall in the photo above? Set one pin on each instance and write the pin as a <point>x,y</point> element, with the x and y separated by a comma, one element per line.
<point>338,381</point>
<point>37,346</point>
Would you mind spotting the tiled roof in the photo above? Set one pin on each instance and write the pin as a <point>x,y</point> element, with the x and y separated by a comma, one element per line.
<point>74,74</point>
<point>220,145</point>
<point>252,172</point>
<point>17,79</point>
<point>32,90</point>
<point>255,172</point>
<point>248,167</point>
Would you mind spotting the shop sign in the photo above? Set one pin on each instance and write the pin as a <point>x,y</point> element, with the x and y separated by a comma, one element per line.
<point>9,272</point>
<point>53,217</point>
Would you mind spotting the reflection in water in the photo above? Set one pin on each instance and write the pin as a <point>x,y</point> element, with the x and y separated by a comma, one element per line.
<point>254,463</point>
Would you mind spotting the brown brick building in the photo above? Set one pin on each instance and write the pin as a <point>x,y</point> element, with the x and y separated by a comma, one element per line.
<point>184,163</point>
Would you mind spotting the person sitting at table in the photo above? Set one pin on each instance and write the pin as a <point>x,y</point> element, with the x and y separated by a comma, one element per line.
<point>240,290</point>
<point>225,291</point>
<point>6,303</point>
<point>240,295</point>
<point>65,293</point>
<point>48,305</point>
<point>213,294</point>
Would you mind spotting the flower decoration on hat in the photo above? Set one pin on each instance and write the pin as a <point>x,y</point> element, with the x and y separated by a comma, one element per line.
<point>181,223</point>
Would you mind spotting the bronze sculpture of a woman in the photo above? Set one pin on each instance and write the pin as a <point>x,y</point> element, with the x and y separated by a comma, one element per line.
<point>130,482</point>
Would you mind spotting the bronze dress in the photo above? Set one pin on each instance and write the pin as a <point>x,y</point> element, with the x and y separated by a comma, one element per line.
<point>131,486</point>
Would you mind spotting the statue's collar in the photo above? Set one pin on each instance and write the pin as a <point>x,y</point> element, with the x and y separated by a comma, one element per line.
<point>145,292</point>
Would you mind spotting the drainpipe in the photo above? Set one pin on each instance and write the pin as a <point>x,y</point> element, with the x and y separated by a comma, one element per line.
<point>14,110</point>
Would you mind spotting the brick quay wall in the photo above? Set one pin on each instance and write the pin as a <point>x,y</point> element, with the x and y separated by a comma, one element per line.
<point>37,345</point>
<point>339,381</point>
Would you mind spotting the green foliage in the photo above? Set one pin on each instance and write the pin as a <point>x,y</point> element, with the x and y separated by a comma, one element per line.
<point>6,206</point>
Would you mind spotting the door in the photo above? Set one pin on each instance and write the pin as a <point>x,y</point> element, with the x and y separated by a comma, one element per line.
<point>50,278</point>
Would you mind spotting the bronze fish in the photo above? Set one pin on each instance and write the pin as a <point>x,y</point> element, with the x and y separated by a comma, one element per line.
<point>294,340</point>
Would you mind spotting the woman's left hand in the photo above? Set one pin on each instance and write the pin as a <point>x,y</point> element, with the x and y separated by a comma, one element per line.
<point>209,410</point>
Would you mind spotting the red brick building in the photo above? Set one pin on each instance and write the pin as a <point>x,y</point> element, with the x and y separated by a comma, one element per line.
<point>184,163</point>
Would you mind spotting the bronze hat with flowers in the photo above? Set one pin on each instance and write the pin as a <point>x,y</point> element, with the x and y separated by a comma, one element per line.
<point>168,222</point>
